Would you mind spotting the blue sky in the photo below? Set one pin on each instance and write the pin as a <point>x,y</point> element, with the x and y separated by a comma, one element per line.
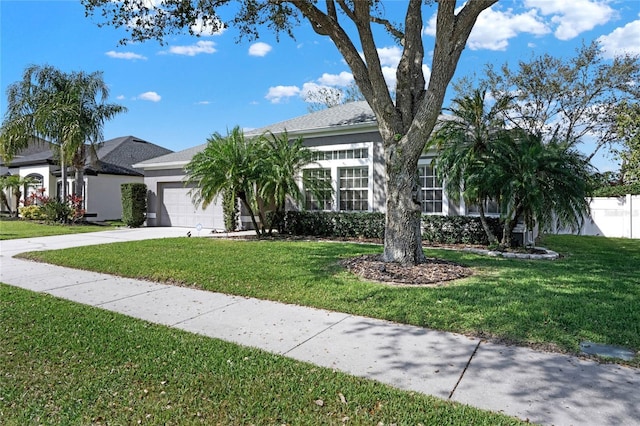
<point>179,93</point>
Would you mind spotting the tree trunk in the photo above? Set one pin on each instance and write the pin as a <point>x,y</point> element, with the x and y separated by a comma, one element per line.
<point>78,190</point>
<point>17,194</point>
<point>243,199</point>
<point>509,226</point>
<point>63,173</point>
<point>493,240</point>
<point>402,233</point>
<point>5,201</point>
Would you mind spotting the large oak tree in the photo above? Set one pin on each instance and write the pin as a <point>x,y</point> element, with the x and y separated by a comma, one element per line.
<point>405,122</point>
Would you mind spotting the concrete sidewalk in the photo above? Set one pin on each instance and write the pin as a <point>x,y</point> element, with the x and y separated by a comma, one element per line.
<point>544,388</point>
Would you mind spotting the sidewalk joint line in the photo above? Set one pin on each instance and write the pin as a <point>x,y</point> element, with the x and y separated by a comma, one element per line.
<point>315,335</point>
<point>465,369</point>
<point>72,285</point>
<point>204,313</point>
<point>133,295</point>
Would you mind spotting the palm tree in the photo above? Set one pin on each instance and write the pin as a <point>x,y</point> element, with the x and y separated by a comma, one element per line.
<point>228,163</point>
<point>16,184</point>
<point>466,144</point>
<point>543,183</point>
<point>67,109</point>
<point>282,163</point>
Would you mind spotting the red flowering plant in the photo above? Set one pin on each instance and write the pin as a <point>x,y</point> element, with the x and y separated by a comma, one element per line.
<point>77,211</point>
<point>36,198</point>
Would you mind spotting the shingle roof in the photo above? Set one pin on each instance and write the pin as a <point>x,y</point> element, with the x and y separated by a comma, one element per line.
<point>342,116</point>
<point>120,154</point>
<point>353,113</point>
<point>115,156</point>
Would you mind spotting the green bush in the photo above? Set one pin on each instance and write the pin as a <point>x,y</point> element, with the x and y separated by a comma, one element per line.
<point>617,190</point>
<point>32,212</point>
<point>330,224</point>
<point>457,229</point>
<point>134,203</point>
<point>56,211</point>
<point>435,229</point>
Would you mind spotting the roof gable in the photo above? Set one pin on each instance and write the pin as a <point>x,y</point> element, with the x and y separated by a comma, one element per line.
<point>114,156</point>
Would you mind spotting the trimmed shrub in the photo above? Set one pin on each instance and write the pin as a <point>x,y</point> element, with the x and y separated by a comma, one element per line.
<point>358,225</point>
<point>435,229</point>
<point>318,224</point>
<point>618,190</point>
<point>134,203</point>
<point>458,229</point>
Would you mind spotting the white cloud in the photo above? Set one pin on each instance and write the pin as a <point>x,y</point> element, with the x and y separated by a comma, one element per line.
<point>203,103</point>
<point>202,46</point>
<point>278,93</point>
<point>573,17</point>
<point>149,96</point>
<point>390,56</point>
<point>200,28</point>
<point>120,97</point>
<point>124,55</point>
<point>342,79</point>
<point>494,28</point>
<point>621,40</point>
<point>259,49</point>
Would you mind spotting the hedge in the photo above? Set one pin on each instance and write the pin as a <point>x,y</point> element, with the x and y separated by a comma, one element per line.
<point>435,229</point>
<point>134,203</point>
<point>618,190</point>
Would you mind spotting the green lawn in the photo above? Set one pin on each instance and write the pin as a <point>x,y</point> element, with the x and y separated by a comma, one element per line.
<point>593,293</point>
<point>13,228</point>
<point>65,363</point>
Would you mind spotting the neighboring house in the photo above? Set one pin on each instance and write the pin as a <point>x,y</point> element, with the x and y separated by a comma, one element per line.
<point>349,154</point>
<point>112,166</point>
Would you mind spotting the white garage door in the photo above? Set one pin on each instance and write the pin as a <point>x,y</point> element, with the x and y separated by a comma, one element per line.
<point>178,209</point>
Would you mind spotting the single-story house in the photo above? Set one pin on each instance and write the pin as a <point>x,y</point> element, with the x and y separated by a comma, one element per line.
<point>349,153</point>
<point>112,166</point>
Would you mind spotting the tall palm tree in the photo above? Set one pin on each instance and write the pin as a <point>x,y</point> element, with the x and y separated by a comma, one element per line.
<point>466,144</point>
<point>68,109</point>
<point>228,163</point>
<point>543,183</point>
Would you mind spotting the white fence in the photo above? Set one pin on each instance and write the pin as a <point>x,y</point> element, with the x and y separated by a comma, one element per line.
<point>612,217</point>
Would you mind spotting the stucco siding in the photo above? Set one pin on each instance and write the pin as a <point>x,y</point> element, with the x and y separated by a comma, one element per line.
<point>104,197</point>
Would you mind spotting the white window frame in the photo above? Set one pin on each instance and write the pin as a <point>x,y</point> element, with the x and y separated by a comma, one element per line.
<point>428,162</point>
<point>308,195</point>
<point>340,188</point>
<point>337,164</point>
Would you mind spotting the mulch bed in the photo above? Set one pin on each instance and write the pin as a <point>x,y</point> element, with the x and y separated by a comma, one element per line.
<point>434,272</point>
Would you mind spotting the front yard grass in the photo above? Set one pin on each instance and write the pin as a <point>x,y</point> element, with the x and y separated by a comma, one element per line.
<point>15,228</point>
<point>65,363</point>
<point>593,293</point>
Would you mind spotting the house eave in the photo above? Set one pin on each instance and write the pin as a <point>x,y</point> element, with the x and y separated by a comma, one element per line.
<point>162,166</point>
<point>328,130</point>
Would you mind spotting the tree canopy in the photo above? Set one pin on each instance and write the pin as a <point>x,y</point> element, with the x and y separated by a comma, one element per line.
<point>569,99</point>
<point>405,123</point>
<point>544,183</point>
<point>67,109</point>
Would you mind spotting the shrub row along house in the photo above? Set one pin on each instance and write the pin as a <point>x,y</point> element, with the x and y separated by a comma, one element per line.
<point>112,165</point>
<point>349,155</point>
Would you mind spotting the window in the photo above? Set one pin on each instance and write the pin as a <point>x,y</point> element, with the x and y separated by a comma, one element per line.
<point>430,190</point>
<point>491,207</point>
<point>343,154</point>
<point>322,178</point>
<point>354,189</point>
